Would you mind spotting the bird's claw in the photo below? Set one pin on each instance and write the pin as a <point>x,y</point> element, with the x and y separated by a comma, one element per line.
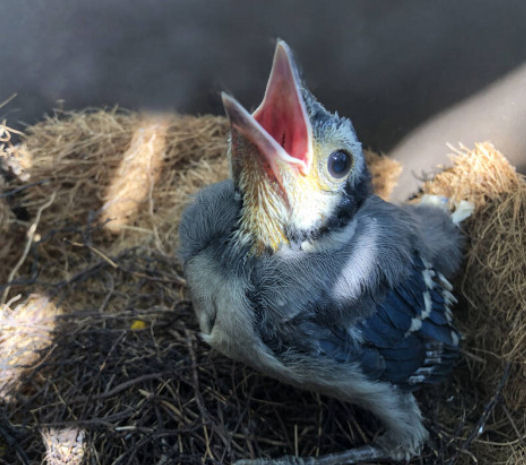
<point>461,210</point>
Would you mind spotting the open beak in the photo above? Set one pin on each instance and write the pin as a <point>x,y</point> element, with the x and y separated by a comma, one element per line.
<point>279,128</point>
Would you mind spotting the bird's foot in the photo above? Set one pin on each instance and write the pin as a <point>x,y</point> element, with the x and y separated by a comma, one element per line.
<point>348,457</point>
<point>461,210</point>
<point>403,447</point>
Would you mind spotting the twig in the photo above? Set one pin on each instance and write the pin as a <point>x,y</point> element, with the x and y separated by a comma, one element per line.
<point>116,389</point>
<point>101,369</point>
<point>12,442</point>
<point>23,188</point>
<point>198,397</point>
<point>520,437</point>
<point>97,252</point>
<point>8,99</point>
<point>479,426</point>
<point>30,237</point>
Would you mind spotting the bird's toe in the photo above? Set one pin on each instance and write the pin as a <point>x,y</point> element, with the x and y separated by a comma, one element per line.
<point>402,450</point>
<point>463,210</point>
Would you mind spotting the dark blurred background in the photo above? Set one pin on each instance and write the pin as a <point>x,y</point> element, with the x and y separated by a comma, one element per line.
<point>411,74</point>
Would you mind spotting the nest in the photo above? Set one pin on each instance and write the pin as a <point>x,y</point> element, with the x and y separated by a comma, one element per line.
<point>494,287</point>
<point>112,369</point>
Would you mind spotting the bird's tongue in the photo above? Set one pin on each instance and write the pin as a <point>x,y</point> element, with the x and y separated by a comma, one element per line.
<point>282,113</point>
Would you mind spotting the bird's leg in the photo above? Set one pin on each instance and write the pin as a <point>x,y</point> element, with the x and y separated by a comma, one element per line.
<point>403,439</point>
<point>348,457</point>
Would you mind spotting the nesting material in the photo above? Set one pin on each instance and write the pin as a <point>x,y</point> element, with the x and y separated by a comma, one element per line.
<point>8,238</point>
<point>17,160</point>
<point>11,158</point>
<point>6,216</point>
<point>129,172</point>
<point>6,148</point>
<point>64,446</point>
<point>384,172</point>
<point>134,180</point>
<point>25,332</point>
<point>494,287</point>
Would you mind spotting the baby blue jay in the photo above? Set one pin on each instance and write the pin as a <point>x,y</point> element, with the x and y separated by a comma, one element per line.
<point>296,268</point>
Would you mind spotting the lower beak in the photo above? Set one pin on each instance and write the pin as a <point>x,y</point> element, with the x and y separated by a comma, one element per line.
<point>279,128</point>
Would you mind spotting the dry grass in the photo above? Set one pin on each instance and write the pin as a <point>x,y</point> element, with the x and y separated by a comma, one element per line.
<point>385,173</point>
<point>10,232</point>
<point>81,157</point>
<point>126,367</point>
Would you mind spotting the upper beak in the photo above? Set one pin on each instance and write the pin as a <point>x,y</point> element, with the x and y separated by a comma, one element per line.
<point>280,127</point>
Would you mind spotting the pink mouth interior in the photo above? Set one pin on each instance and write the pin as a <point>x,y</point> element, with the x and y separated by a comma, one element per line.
<point>282,113</point>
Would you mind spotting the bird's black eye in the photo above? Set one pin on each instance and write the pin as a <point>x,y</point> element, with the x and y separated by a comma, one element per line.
<point>339,163</point>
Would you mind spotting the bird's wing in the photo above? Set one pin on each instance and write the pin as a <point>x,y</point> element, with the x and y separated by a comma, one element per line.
<point>409,340</point>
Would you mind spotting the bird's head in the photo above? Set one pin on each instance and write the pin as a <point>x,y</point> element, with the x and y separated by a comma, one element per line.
<point>298,168</point>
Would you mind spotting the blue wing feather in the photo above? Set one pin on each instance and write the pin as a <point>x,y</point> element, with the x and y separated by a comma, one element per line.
<point>438,316</point>
<point>409,340</point>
